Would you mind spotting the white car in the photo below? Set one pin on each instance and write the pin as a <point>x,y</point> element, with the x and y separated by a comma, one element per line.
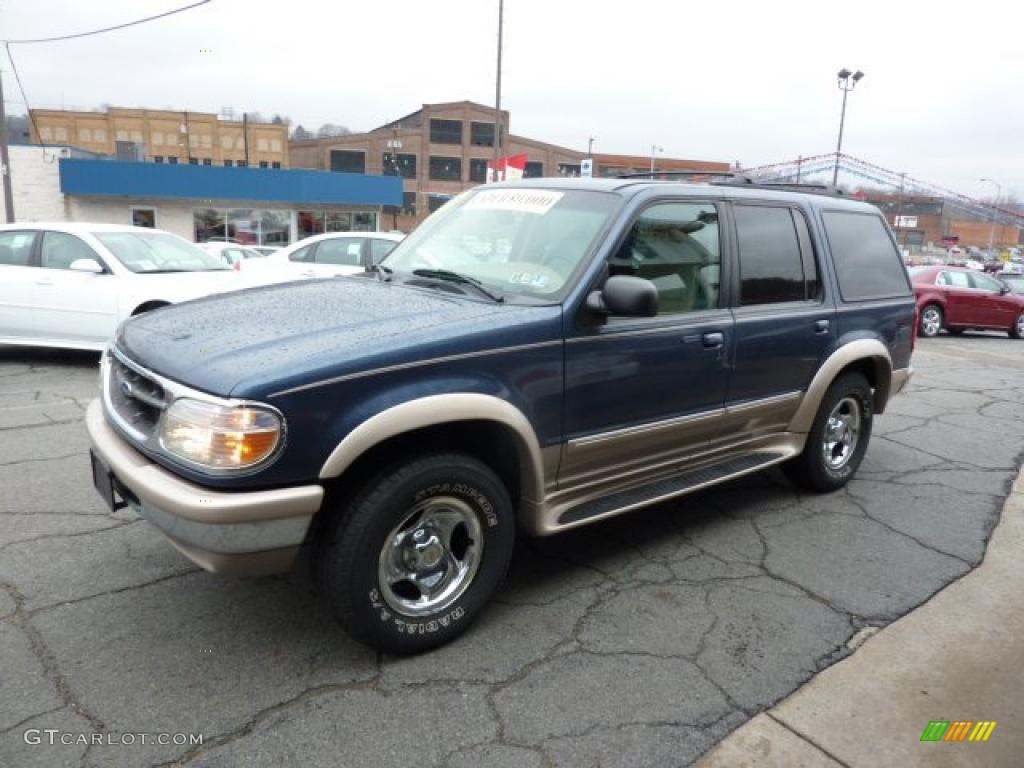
<point>71,284</point>
<point>327,255</point>
<point>230,253</point>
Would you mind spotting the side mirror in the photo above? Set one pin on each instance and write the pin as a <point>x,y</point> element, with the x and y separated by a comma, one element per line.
<point>1004,289</point>
<point>87,265</point>
<point>625,296</point>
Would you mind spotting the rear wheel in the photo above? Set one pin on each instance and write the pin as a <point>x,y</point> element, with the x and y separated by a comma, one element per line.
<point>1017,331</point>
<point>838,438</point>
<point>931,321</point>
<point>412,559</point>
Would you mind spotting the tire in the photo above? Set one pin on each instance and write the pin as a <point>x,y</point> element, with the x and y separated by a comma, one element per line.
<point>931,322</point>
<point>1017,331</point>
<point>445,519</point>
<point>849,396</point>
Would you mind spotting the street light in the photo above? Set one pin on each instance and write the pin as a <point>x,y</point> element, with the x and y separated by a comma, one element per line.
<point>847,82</point>
<point>654,149</point>
<point>995,210</point>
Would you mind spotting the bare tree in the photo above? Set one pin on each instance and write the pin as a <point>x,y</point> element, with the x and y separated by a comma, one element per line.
<point>332,129</point>
<point>301,134</point>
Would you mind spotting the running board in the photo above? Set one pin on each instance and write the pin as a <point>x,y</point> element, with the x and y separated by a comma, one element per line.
<point>673,486</point>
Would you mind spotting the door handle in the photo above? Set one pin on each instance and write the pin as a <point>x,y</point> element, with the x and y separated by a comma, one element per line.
<point>821,326</point>
<point>713,340</point>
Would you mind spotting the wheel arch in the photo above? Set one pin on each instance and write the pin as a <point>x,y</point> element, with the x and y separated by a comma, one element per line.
<point>485,423</point>
<point>869,357</point>
<point>149,305</point>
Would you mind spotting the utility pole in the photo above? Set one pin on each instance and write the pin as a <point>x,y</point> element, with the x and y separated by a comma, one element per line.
<point>799,167</point>
<point>899,212</point>
<point>655,148</point>
<point>590,147</point>
<point>847,82</point>
<point>5,160</point>
<point>995,211</point>
<point>245,136</point>
<point>497,91</point>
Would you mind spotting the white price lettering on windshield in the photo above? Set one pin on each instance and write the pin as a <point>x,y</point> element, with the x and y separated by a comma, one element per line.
<point>538,201</point>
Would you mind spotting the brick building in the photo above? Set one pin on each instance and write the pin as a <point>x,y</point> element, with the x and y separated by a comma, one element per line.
<point>918,220</point>
<point>443,149</point>
<point>164,136</point>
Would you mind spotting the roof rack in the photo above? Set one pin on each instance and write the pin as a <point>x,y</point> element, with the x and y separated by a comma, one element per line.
<point>731,179</point>
<point>734,178</point>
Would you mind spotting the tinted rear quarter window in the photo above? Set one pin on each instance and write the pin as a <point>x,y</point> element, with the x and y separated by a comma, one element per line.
<point>867,263</point>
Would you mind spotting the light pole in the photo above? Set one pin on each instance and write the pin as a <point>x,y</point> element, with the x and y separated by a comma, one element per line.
<point>655,149</point>
<point>999,195</point>
<point>847,82</point>
<point>497,91</point>
<point>395,144</point>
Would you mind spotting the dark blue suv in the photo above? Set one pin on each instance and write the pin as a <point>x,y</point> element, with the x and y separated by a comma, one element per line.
<point>536,356</point>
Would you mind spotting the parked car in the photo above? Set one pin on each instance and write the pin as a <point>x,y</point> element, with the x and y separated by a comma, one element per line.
<point>265,250</point>
<point>328,255</point>
<point>1015,282</point>
<point>537,355</point>
<point>960,299</point>
<point>70,284</point>
<point>230,253</point>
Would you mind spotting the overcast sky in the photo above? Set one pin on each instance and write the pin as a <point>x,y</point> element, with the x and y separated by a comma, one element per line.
<point>723,80</point>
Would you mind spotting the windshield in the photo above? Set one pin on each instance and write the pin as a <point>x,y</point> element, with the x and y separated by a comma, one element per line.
<point>158,252</point>
<point>518,241</point>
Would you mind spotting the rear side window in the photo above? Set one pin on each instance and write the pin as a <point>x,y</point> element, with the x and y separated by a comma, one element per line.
<point>773,268</point>
<point>867,263</point>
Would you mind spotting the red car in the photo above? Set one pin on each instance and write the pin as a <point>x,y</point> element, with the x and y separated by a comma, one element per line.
<point>957,299</point>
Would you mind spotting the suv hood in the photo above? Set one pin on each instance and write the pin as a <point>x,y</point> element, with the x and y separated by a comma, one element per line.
<point>249,342</point>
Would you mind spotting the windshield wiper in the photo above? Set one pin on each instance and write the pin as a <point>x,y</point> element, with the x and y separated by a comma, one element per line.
<point>455,277</point>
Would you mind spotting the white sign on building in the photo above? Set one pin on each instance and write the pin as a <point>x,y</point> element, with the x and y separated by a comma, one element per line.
<point>587,168</point>
<point>905,222</point>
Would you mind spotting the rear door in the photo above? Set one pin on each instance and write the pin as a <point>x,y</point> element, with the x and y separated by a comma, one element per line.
<point>18,274</point>
<point>961,298</point>
<point>71,305</point>
<point>784,324</point>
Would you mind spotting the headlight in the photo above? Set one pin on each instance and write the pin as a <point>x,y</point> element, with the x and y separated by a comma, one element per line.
<point>220,437</point>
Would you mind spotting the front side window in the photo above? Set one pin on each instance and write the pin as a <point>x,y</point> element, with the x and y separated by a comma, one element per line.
<point>986,283</point>
<point>343,252</point>
<point>771,266</point>
<point>676,247</point>
<point>152,252</point>
<point>381,248</point>
<point>16,248</point>
<point>868,265</point>
<point>527,242</point>
<point>60,250</point>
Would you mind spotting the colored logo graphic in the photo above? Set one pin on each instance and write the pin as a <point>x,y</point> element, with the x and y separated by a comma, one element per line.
<point>958,730</point>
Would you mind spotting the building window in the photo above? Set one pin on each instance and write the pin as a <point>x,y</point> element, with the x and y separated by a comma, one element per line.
<point>436,201</point>
<point>348,161</point>
<point>275,164</point>
<point>241,163</point>
<point>446,168</point>
<point>247,226</point>
<point>570,170</point>
<point>408,204</point>
<point>193,161</point>
<point>263,164</point>
<point>158,158</point>
<point>478,170</point>
<point>445,131</point>
<point>144,217</point>
<point>406,167</point>
<point>172,160</point>
<point>207,161</point>
<point>227,163</point>
<point>533,170</point>
<point>481,134</point>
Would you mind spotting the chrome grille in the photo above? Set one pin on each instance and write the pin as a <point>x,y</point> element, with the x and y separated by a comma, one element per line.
<point>136,399</point>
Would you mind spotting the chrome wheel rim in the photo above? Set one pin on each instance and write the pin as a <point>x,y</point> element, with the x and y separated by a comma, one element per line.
<point>931,321</point>
<point>1020,324</point>
<point>842,433</point>
<point>430,558</point>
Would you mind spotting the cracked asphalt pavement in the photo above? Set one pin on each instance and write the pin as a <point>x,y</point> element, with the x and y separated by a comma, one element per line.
<point>642,641</point>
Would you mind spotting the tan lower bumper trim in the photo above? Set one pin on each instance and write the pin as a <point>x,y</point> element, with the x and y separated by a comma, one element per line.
<point>247,564</point>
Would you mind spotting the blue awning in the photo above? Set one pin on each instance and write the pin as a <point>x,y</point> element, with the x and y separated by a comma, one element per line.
<point>112,178</point>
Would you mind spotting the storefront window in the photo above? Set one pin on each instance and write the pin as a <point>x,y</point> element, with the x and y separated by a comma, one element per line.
<point>244,225</point>
<point>209,224</point>
<point>364,222</point>
<point>338,222</point>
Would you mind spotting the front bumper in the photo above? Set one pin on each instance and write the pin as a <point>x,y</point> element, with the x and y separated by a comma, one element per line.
<point>242,533</point>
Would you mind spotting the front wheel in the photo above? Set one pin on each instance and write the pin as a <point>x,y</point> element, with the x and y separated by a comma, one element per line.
<point>838,438</point>
<point>931,321</point>
<point>1017,331</point>
<point>413,558</point>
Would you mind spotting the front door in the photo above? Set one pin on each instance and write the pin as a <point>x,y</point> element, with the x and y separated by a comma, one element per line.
<point>644,392</point>
<point>70,305</point>
<point>996,309</point>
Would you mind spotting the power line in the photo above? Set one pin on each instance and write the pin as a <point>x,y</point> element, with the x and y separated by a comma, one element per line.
<point>105,29</point>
